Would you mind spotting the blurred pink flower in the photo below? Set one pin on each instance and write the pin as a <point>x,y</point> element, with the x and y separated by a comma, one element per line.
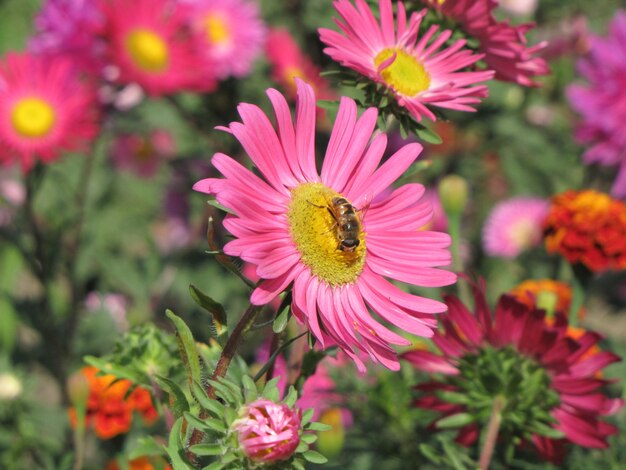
<point>282,225</point>
<point>602,102</point>
<point>289,62</point>
<point>570,36</point>
<point>504,46</point>
<point>414,68</point>
<point>115,305</point>
<point>142,155</point>
<point>518,7</point>
<point>72,28</point>
<point>514,225</point>
<point>45,109</point>
<point>149,42</point>
<point>230,34</point>
<point>12,195</point>
<point>268,432</point>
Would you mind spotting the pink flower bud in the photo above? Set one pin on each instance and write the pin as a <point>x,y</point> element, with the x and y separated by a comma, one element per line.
<point>268,431</point>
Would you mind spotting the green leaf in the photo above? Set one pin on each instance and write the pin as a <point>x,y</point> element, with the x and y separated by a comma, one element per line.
<point>308,438</point>
<point>453,397</point>
<point>328,104</point>
<point>291,398</point>
<point>314,457</point>
<point>214,466</point>
<point>319,427</point>
<point>428,135</point>
<point>297,465</point>
<point>146,446</point>
<point>430,453</point>
<point>206,449</point>
<point>307,415</point>
<point>455,421</point>
<point>187,346</point>
<point>180,404</point>
<point>250,391</point>
<point>217,205</point>
<point>174,448</point>
<point>196,422</point>
<point>205,402</point>
<point>224,392</point>
<point>270,391</point>
<point>281,320</point>
<point>216,309</point>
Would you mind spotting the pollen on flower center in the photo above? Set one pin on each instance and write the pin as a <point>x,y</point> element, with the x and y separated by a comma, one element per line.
<point>32,117</point>
<point>148,50</point>
<point>405,74</point>
<point>314,231</point>
<point>217,29</point>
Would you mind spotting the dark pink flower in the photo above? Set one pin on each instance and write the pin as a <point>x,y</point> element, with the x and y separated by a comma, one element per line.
<point>568,380</point>
<point>268,432</point>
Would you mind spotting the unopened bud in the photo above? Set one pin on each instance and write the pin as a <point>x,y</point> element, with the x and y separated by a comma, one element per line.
<point>453,193</point>
<point>78,388</point>
<point>547,301</point>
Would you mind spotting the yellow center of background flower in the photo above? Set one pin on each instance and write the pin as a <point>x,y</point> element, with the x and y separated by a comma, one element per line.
<point>32,117</point>
<point>217,29</point>
<point>405,74</point>
<point>148,50</point>
<point>314,231</point>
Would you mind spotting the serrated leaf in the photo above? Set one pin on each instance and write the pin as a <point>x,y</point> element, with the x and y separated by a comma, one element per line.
<point>455,421</point>
<point>205,402</point>
<point>314,457</point>
<point>187,346</point>
<point>177,396</point>
<point>217,311</point>
<point>206,449</point>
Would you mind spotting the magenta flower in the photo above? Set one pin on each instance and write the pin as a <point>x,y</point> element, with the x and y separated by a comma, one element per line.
<point>285,222</point>
<point>45,109</point>
<point>602,103</point>
<point>268,432</point>
<point>149,43</point>
<point>230,34</point>
<point>504,46</point>
<point>412,67</point>
<point>514,226</point>
<point>550,381</point>
<point>73,28</point>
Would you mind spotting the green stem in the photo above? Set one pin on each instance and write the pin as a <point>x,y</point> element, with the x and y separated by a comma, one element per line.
<point>493,428</point>
<point>454,229</point>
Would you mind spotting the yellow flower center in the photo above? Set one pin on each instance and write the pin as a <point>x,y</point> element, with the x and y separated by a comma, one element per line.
<point>524,233</point>
<point>32,117</point>
<point>405,74</point>
<point>315,232</point>
<point>148,50</point>
<point>217,29</point>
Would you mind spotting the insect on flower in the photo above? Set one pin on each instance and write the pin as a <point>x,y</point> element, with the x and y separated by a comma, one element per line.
<point>347,224</point>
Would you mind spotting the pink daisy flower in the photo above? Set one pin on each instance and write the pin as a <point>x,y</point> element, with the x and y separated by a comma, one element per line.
<point>150,44</point>
<point>414,68</point>
<point>71,27</point>
<point>550,382</point>
<point>504,46</point>
<point>45,109</point>
<point>602,103</point>
<point>286,223</point>
<point>514,226</point>
<point>289,62</point>
<point>230,34</point>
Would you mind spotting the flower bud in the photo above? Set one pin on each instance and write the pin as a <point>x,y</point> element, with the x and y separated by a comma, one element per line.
<point>78,388</point>
<point>268,432</point>
<point>453,192</point>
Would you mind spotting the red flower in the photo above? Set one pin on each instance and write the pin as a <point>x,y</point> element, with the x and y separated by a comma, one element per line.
<point>587,227</point>
<point>566,385</point>
<point>109,409</point>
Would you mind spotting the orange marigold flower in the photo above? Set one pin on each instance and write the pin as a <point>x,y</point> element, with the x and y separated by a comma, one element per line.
<point>140,463</point>
<point>529,292</point>
<point>587,227</point>
<point>109,409</point>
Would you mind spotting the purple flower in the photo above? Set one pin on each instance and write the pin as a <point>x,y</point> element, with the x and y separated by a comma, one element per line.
<point>602,102</point>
